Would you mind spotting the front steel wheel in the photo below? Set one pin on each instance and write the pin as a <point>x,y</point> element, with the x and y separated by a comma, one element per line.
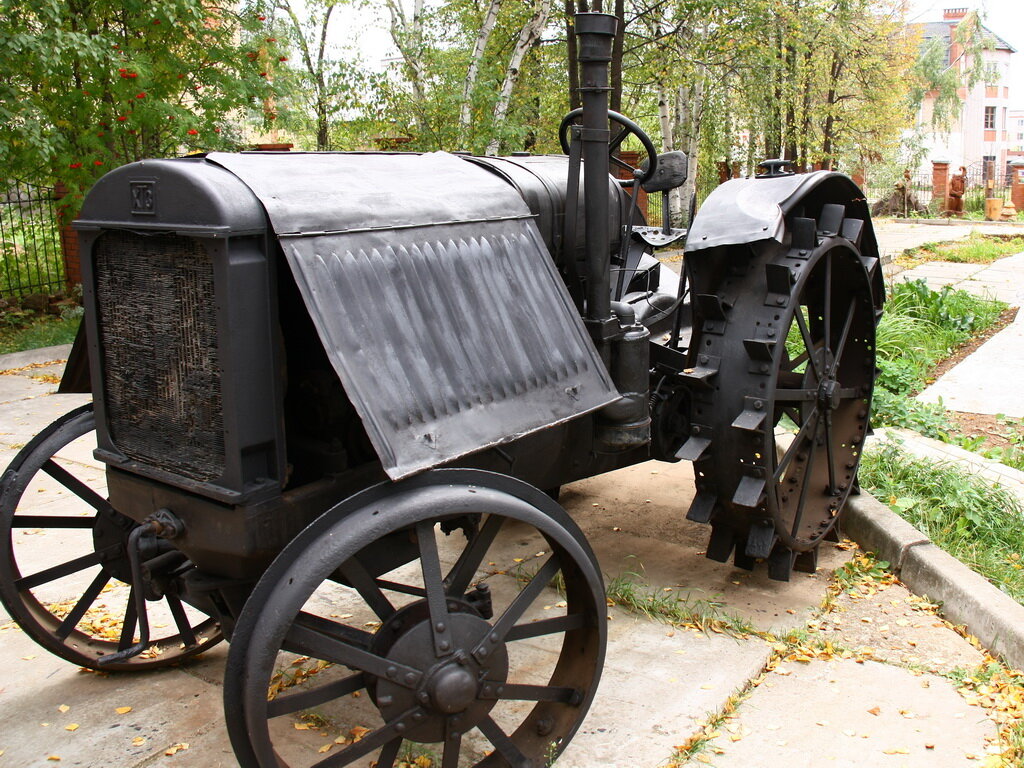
<point>64,572</point>
<point>410,620</point>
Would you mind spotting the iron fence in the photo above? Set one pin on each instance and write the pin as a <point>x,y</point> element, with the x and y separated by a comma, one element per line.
<point>30,254</point>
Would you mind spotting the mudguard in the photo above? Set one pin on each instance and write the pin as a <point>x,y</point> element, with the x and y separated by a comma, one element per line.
<point>743,211</point>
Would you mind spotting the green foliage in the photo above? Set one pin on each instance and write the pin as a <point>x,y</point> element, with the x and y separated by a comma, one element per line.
<point>937,76</point>
<point>976,248</point>
<point>976,522</point>
<point>920,327</point>
<point>897,409</point>
<point>86,85</point>
<point>23,330</point>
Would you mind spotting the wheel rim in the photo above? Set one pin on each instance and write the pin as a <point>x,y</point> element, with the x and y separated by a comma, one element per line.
<point>64,574</point>
<point>790,334</point>
<point>825,390</point>
<point>437,670</point>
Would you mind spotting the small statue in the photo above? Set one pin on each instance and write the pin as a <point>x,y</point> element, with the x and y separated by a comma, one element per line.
<point>955,202</point>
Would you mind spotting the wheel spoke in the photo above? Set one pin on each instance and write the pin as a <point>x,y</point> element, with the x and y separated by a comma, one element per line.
<point>131,620</point>
<point>808,344</point>
<point>465,568</point>
<point>830,454</point>
<point>523,600</point>
<point>307,638</point>
<point>84,603</point>
<point>546,627</point>
<point>389,753</point>
<point>296,702</point>
<point>808,468</point>
<point>76,486</point>
<point>796,395</point>
<point>383,735</point>
<point>405,589</point>
<point>357,575</point>
<point>809,425</point>
<point>505,746</point>
<point>188,635</point>
<point>55,521</point>
<point>65,569</point>
<point>614,144</point>
<point>827,316</point>
<point>837,355</point>
<point>437,603</point>
<point>452,748</point>
<point>520,692</point>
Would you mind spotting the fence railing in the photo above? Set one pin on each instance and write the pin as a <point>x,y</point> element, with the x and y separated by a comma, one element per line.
<point>30,254</point>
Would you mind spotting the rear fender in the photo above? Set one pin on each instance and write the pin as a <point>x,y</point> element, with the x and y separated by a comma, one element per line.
<point>741,212</point>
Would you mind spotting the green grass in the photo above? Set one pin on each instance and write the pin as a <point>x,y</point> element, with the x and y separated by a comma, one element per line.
<point>973,249</point>
<point>40,332</point>
<point>975,521</point>
<point>631,592</point>
<point>920,328</point>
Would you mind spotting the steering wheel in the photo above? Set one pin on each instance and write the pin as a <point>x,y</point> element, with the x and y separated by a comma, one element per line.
<point>628,127</point>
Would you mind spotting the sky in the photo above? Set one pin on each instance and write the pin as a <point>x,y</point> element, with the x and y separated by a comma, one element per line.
<point>365,30</point>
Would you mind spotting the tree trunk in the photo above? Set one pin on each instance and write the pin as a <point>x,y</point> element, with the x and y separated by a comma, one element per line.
<point>528,35</point>
<point>466,112</point>
<point>408,38</point>
<point>615,70</point>
<point>570,51</point>
<point>689,113</point>
<point>665,119</point>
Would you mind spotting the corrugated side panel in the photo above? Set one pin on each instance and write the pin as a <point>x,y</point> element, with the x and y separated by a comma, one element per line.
<point>449,338</point>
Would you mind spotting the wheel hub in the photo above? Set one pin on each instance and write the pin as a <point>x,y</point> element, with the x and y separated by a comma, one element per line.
<point>828,394</point>
<point>452,688</point>
<point>456,691</point>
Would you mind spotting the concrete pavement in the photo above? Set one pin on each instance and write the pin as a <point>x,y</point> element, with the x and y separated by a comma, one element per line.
<point>853,674</point>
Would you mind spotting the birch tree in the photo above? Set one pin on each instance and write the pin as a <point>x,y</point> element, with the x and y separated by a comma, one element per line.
<point>466,112</point>
<point>528,37</point>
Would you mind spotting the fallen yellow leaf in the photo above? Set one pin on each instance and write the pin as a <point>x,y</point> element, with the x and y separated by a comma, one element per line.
<point>123,710</point>
<point>63,708</point>
<point>300,726</point>
<point>324,748</point>
<point>54,758</point>
<point>897,751</point>
<point>71,727</point>
<point>138,741</point>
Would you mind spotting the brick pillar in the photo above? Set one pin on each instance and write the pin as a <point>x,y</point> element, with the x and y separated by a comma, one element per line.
<point>68,237</point>
<point>1017,186</point>
<point>630,157</point>
<point>940,182</point>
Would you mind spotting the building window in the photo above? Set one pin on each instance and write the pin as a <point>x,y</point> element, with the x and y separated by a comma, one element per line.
<point>990,118</point>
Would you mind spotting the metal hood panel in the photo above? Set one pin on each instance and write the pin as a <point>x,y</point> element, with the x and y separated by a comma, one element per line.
<point>437,302</point>
<point>314,192</point>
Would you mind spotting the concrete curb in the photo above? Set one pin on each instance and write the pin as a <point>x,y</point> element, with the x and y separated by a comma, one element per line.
<point>951,222</point>
<point>967,598</point>
<point>31,356</point>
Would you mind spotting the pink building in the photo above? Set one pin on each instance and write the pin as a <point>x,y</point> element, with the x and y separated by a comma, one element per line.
<point>984,131</point>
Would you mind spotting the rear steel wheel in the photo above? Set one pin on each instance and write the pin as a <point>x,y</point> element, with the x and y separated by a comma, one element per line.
<point>493,662</point>
<point>778,431</point>
<point>64,573</point>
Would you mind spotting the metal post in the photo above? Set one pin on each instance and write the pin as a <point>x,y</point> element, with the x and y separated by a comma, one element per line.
<point>596,31</point>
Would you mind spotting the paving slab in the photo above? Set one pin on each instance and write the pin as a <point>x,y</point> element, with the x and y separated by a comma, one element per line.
<point>988,380</point>
<point>635,519</point>
<point>845,714</point>
<point>891,624</point>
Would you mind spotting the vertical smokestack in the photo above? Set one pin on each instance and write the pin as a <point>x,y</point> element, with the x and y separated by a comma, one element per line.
<point>595,32</point>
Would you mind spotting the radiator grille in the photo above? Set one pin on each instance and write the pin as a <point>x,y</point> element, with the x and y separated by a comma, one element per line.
<point>158,334</point>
